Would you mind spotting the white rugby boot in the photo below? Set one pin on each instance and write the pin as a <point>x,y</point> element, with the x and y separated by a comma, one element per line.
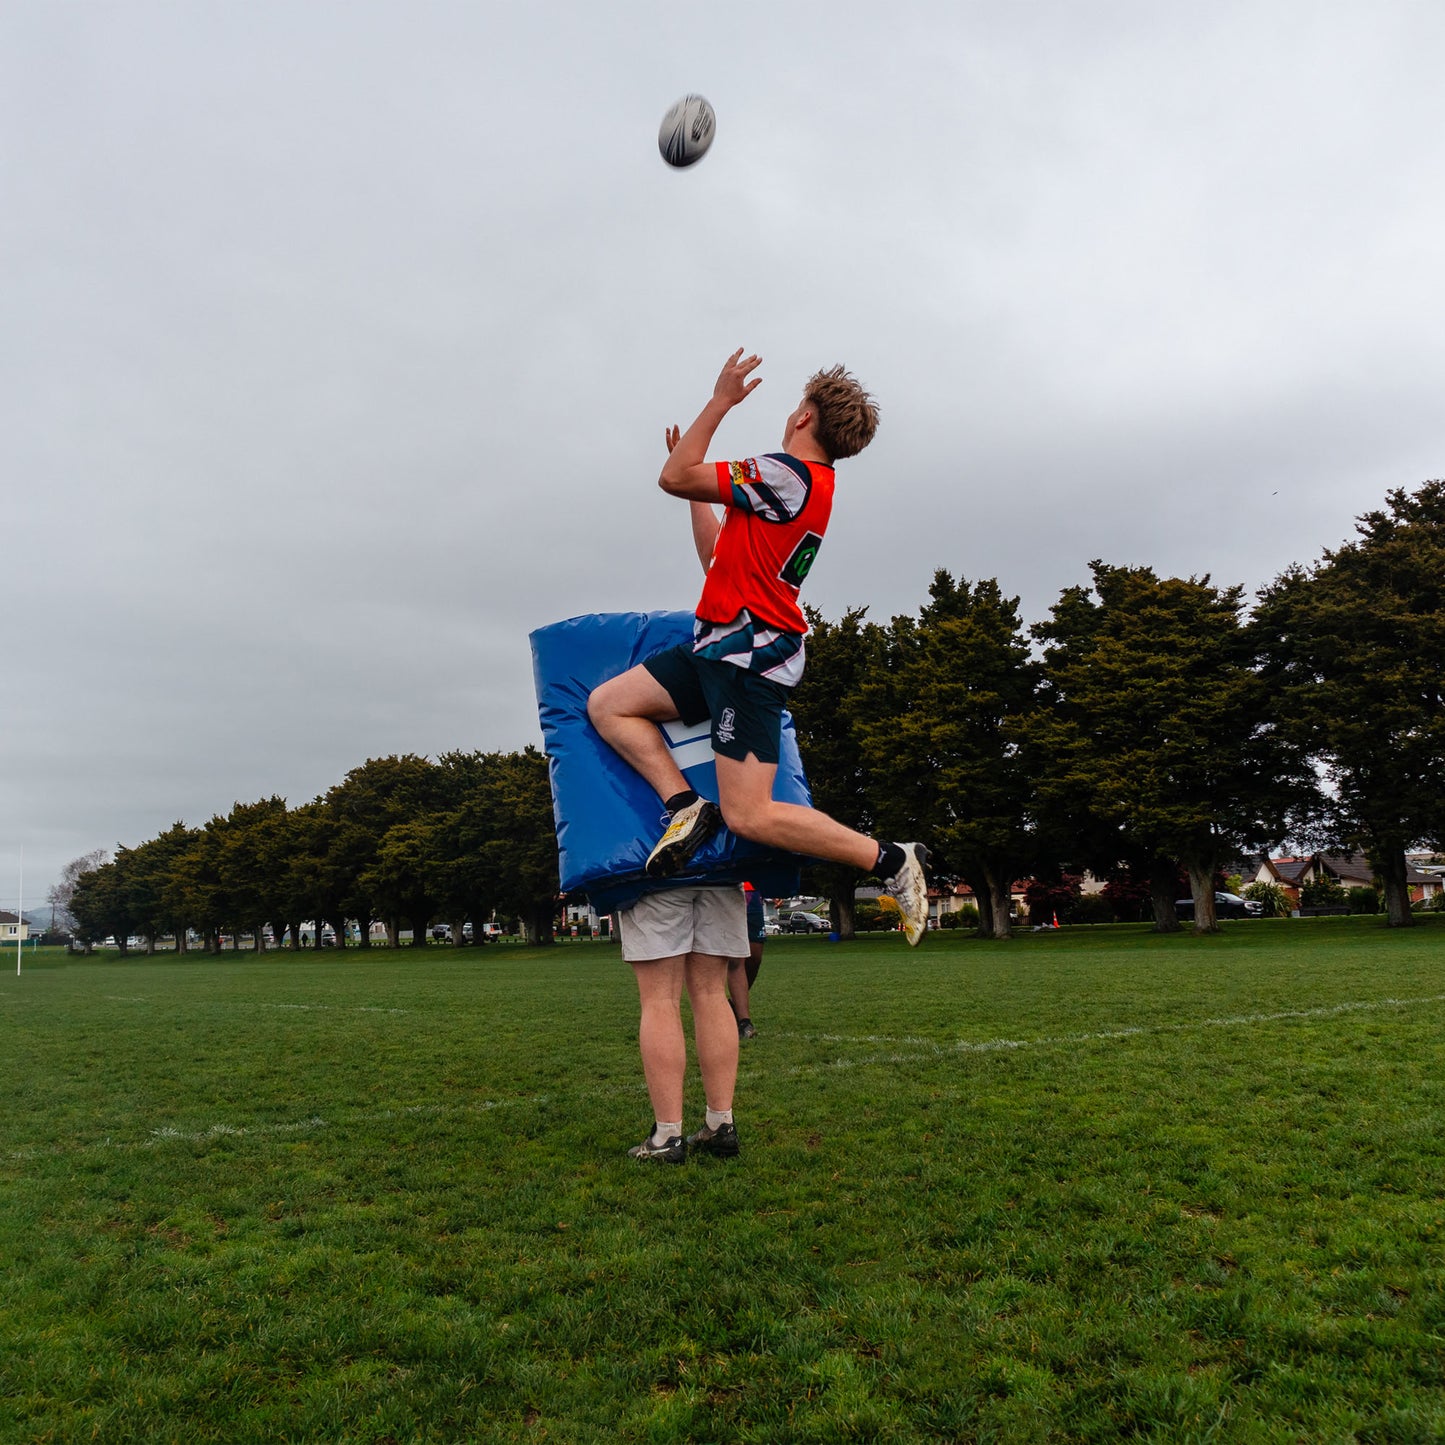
<point>909,888</point>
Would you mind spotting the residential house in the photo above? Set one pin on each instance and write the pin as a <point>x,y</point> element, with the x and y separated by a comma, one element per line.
<point>1287,873</point>
<point>1349,870</point>
<point>13,929</point>
<point>945,900</point>
<point>1431,867</point>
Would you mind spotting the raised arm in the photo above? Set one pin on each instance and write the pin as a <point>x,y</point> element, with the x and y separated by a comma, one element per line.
<point>686,472</point>
<point>705,524</point>
<point>704,532</point>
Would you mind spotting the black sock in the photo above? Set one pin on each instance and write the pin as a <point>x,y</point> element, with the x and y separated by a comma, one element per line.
<point>890,859</point>
<point>678,801</point>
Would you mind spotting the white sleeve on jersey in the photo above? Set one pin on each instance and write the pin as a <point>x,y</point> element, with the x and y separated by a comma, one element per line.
<point>769,487</point>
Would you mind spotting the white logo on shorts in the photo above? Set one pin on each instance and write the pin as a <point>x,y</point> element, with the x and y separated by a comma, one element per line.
<point>725,725</point>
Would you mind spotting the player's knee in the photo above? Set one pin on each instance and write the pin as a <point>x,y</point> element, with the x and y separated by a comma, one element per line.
<point>599,705</point>
<point>746,819</point>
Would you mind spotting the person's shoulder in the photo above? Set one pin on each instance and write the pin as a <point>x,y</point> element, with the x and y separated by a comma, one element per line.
<point>801,468</point>
<point>776,486</point>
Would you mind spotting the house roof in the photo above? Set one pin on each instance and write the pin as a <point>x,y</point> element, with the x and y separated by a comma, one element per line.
<point>8,917</point>
<point>1288,870</point>
<point>1353,869</point>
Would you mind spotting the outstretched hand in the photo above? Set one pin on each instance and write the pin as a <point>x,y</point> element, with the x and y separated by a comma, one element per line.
<point>732,383</point>
<point>686,472</point>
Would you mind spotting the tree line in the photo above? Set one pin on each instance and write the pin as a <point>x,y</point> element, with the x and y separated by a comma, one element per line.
<point>1150,726</point>
<point>402,840</point>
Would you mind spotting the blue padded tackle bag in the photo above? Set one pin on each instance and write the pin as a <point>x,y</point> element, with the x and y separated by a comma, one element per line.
<point>607,818</point>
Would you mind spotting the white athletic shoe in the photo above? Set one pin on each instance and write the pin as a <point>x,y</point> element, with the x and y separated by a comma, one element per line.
<point>910,888</point>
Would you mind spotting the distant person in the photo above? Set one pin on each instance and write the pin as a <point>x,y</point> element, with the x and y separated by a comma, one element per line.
<point>674,939</point>
<point>743,972</point>
<point>747,647</point>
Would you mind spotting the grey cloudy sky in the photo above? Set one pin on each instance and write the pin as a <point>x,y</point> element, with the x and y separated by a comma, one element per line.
<point>337,339</point>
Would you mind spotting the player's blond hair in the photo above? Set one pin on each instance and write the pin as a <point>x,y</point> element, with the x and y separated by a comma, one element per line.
<point>847,416</point>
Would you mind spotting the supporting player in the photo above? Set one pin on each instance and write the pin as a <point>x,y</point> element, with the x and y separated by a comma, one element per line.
<point>747,648</point>
<point>743,972</point>
<point>683,937</point>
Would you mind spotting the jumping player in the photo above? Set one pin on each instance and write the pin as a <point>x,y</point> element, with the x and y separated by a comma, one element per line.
<point>747,647</point>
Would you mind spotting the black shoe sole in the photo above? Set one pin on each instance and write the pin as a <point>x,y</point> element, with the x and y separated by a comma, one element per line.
<point>677,855</point>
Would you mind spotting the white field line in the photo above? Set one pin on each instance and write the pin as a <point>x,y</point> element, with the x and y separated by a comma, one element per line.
<point>214,1004</point>
<point>354,1008</point>
<point>933,1049</point>
<point>170,1135</point>
<point>357,1008</point>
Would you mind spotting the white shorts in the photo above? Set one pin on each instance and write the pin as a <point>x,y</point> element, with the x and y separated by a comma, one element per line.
<point>685,920</point>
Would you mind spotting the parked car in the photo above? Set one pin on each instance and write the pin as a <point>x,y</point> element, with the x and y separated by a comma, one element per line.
<point>442,932</point>
<point>803,923</point>
<point>1226,905</point>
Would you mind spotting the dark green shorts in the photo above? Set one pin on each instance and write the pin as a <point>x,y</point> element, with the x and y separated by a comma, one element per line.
<point>757,917</point>
<point>746,711</point>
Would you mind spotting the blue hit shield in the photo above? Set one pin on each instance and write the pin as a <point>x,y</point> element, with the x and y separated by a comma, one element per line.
<point>607,818</point>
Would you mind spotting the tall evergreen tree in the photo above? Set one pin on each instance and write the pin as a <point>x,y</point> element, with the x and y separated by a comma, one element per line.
<point>353,819</point>
<point>153,870</point>
<point>520,850</point>
<point>842,656</point>
<point>193,889</point>
<point>1159,727</point>
<point>458,873</point>
<point>942,720</point>
<point>101,905</point>
<point>397,880</point>
<point>1355,648</point>
<point>252,841</point>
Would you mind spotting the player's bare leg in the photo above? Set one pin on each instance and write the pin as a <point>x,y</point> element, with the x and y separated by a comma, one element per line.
<point>659,1033</point>
<point>738,988</point>
<point>742,974</point>
<point>715,1032</point>
<point>626,710</point>
<point>745,794</point>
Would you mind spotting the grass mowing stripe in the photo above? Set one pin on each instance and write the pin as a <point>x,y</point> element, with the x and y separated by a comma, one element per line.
<point>934,1050</point>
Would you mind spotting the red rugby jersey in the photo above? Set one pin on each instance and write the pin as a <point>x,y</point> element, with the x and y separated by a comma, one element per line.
<point>777,512</point>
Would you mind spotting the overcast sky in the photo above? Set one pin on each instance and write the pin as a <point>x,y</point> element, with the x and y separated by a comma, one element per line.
<point>337,340</point>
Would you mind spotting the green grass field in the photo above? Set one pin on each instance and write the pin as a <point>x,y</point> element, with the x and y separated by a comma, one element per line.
<point>1085,1186</point>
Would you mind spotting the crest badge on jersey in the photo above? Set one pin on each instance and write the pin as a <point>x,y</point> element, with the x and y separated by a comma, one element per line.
<point>800,563</point>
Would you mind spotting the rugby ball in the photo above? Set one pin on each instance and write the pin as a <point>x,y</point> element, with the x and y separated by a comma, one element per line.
<point>687,131</point>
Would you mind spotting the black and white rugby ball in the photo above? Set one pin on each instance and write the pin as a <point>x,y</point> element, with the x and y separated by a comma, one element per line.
<point>687,131</point>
